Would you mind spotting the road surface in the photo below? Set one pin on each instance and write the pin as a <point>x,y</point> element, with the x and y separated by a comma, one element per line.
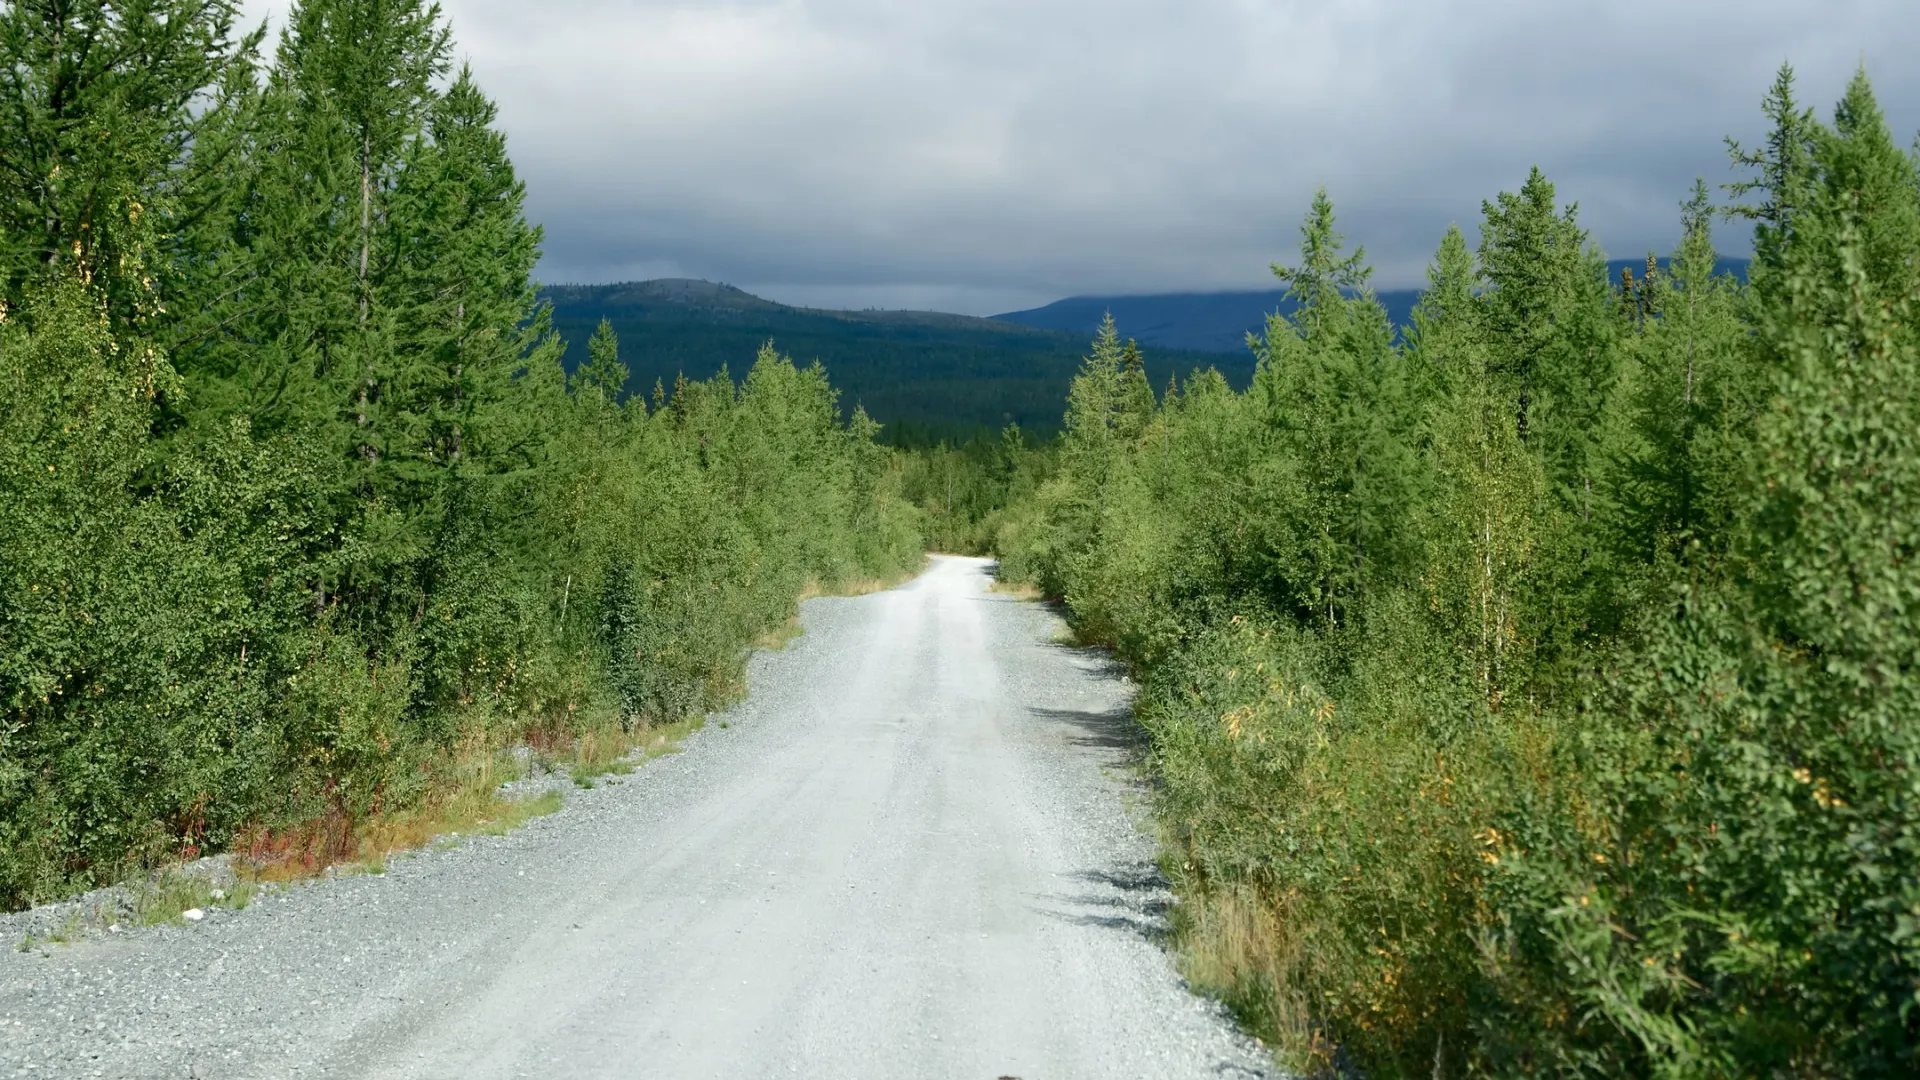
<point>913,851</point>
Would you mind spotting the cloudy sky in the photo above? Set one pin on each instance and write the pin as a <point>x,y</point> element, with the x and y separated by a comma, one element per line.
<point>986,155</point>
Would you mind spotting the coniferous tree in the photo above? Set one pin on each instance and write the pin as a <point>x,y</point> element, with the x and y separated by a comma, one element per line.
<point>1693,399</point>
<point>460,280</point>
<point>1134,407</point>
<point>603,374</point>
<point>113,110</point>
<point>1328,380</point>
<point>1785,180</point>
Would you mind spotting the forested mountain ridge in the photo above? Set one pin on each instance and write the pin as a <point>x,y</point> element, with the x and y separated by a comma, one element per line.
<point>1221,321</point>
<point>923,374</point>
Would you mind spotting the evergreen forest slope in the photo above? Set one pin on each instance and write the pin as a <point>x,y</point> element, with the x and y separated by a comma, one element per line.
<point>1221,321</point>
<point>924,375</point>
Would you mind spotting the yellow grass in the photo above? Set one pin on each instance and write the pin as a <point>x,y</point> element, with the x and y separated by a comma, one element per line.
<point>1236,946</point>
<point>780,636</point>
<point>1019,590</point>
<point>865,585</point>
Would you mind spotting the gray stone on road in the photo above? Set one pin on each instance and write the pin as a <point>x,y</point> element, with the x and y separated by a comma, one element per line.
<point>911,853</point>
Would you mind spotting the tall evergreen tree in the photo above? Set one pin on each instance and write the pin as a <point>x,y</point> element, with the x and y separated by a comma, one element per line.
<point>1328,380</point>
<point>1692,403</point>
<point>459,281</point>
<point>110,142</point>
<point>1134,407</point>
<point>1786,176</point>
<point>603,375</point>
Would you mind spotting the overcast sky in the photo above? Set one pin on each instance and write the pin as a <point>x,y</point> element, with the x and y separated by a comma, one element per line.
<point>986,155</point>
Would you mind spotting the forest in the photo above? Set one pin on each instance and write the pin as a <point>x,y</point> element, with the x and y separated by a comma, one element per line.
<point>1531,689</point>
<point>1536,691</point>
<point>303,522</point>
<point>926,377</point>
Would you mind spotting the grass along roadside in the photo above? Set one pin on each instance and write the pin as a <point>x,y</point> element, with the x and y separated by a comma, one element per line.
<point>267,860</point>
<point>863,586</point>
<point>1019,590</point>
<point>779,637</point>
<point>598,761</point>
<point>171,895</point>
<point>472,800</point>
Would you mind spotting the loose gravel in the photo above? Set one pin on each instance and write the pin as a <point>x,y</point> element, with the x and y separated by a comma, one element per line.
<point>912,850</point>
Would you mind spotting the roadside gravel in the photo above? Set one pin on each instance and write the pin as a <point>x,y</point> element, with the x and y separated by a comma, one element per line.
<point>909,852</point>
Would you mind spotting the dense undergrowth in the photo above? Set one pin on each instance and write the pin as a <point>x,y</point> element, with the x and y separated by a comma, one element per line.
<point>1534,692</point>
<point>301,521</point>
<point>966,490</point>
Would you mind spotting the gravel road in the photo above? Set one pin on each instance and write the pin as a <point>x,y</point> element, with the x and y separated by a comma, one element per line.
<point>912,852</point>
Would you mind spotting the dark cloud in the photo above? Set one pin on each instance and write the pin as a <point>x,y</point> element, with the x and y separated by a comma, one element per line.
<point>980,155</point>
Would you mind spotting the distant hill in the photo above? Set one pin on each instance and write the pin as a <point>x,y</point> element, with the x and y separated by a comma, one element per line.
<point>1206,322</point>
<point>926,375</point>
<point>1217,321</point>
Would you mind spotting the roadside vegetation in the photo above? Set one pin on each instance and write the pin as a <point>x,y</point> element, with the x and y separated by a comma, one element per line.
<point>963,489</point>
<point>1535,690</point>
<point>303,522</point>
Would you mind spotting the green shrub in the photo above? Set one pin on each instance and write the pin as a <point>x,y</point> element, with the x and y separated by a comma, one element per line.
<point>1534,695</point>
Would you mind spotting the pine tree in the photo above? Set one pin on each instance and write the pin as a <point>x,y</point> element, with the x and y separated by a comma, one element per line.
<point>114,109</point>
<point>1786,179</point>
<point>301,339</point>
<point>1443,323</point>
<point>1323,278</point>
<point>460,284</point>
<point>1134,405</point>
<point>1329,385</point>
<point>1547,312</point>
<point>375,61</point>
<point>603,374</point>
<point>1095,399</point>
<point>1693,401</point>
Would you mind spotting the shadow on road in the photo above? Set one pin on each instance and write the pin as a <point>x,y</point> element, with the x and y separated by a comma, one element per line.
<point>1132,898</point>
<point>1110,729</point>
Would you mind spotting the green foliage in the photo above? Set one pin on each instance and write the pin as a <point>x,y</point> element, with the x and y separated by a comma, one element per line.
<point>115,111</point>
<point>928,377</point>
<point>1533,695</point>
<point>288,528</point>
<point>963,492</point>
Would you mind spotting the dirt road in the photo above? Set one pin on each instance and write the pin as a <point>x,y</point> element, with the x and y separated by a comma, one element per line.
<point>909,853</point>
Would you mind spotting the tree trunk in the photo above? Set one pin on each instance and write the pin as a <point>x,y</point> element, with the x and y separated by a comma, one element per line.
<point>366,216</point>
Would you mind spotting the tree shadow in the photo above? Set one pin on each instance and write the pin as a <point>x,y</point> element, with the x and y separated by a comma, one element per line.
<point>1108,729</point>
<point>1132,898</point>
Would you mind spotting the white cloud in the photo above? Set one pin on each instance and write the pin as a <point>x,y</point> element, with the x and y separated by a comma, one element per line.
<point>983,154</point>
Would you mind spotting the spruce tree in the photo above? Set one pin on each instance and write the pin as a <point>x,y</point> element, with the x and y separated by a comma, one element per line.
<point>1134,407</point>
<point>603,374</point>
<point>1785,180</point>
<point>114,113</point>
<point>459,282</point>
<point>1693,399</point>
<point>1329,386</point>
